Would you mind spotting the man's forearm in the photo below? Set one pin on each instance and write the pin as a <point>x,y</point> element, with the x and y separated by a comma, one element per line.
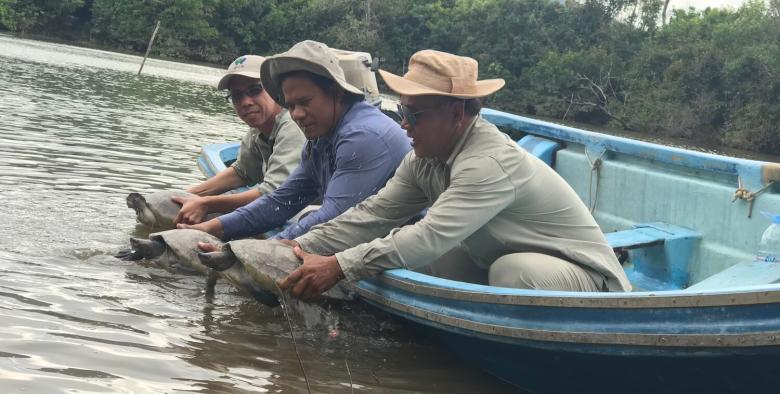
<point>230,202</point>
<point>226,180</point>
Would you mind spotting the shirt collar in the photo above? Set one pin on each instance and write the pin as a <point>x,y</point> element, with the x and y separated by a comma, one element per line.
<point>461,141</point>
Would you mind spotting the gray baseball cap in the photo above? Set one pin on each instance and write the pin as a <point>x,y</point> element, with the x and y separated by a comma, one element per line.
<point>247,65</point>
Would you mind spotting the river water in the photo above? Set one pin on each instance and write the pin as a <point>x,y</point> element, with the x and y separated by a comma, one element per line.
<point>78,131</point>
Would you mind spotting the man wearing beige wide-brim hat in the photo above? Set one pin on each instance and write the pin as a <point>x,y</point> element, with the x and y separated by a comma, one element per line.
<point>496,214</point>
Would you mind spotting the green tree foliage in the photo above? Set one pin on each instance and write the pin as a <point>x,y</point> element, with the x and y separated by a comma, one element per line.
<point>709,75</point>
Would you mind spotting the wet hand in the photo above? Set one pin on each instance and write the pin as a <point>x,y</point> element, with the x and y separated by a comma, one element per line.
<point>208,248</point>
<point>213,227</point>
<point>193,210</point>
<point>315,276</point>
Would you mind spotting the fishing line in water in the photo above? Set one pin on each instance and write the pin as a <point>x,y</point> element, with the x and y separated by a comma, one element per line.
<point>283,305</point>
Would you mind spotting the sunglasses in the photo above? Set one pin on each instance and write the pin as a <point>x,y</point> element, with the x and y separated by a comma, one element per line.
<point>251,91</point>
<point>407,114</point>
<point>411,117</point>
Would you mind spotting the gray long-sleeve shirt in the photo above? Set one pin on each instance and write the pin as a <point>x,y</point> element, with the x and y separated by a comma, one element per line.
<point>490,196</point>
<point>267,161</point>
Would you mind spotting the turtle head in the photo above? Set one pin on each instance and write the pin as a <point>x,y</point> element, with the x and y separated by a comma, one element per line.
<point>218,261</point>
<point>142,212</point>
<point>147,248</point>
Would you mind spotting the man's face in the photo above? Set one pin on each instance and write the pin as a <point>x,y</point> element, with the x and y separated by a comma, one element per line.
<point>253,106</point>
<point>313,109</point>
<point>434,128</point>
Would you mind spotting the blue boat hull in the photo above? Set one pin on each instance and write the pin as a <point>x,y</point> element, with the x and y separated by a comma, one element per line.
<point>550,342</point>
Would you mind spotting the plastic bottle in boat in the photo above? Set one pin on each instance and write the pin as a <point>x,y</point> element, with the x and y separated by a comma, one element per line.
<point>769,247</point>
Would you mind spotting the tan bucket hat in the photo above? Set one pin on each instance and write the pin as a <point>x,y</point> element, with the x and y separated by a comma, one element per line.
<point>441,74</point>
<point>247,65</point>
<point>312,56</point>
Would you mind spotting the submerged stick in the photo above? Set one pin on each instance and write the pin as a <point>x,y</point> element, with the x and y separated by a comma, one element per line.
<point>351,388</point>
<point>283,305</point>
<point>149,47</point>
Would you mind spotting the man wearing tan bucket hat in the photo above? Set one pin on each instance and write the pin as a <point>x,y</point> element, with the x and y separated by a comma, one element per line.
<point>496,214</point>
<point>269,151</point>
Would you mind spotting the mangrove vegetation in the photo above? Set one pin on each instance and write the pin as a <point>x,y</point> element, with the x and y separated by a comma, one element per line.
<point>708,75</point>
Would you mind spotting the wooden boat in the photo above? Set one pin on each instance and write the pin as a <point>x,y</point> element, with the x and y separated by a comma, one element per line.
<point>703,317</point>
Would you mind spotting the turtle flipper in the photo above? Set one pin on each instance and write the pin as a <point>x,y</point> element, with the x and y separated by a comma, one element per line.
<point>128,254</point>
<point>218,261</point>
<point>264,297</point>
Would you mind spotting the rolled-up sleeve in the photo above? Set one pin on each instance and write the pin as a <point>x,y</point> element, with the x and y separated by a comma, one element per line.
<point>285,157</point>
<point>479,189</point>
<point>364,162</point>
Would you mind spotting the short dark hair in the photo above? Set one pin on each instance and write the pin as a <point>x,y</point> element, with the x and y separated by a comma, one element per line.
<point>324,83</point>
<point>471,107</point>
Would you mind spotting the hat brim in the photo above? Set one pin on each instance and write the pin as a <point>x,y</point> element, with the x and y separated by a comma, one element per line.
<point>406,87</point>
<point>273,67</point>
<point>224,83</point>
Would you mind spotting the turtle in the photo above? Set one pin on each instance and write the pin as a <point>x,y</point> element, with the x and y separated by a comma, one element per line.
<point>156,210</point>
<point>171,248</point>
<point>259,265</point>
<point>178,249</point>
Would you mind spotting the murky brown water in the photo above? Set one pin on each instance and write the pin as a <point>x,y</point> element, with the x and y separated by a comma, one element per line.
<point>78,131</point>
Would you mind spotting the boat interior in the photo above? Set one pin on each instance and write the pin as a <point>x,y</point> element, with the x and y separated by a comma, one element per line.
<point>677,219</point>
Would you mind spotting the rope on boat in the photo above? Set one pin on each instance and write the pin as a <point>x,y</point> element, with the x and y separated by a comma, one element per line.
<point>744,194</point>
<point>595,167</point>
<point>283,305</point>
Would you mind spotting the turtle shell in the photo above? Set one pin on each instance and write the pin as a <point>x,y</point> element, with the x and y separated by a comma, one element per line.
<point>183,243</point>
<point>268,262</point>
<point>156,210</point>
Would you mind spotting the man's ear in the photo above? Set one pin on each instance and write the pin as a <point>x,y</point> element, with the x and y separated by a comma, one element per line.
<point>459,112</point>
<point>337,92</point>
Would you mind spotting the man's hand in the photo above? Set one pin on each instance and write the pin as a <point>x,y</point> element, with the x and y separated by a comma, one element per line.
<point>208,248</point>
<point>213,227</point>
<point>315,276</point>
<point>193,210</point>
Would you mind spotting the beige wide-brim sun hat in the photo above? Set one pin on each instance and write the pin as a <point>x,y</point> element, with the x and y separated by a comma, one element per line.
<point>247,66</point>
<point>312,56</point>
<point>441,74</point>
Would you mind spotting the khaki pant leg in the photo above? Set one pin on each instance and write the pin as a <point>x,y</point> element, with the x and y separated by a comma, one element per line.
<point>541,271</point>
<point>456,265</point>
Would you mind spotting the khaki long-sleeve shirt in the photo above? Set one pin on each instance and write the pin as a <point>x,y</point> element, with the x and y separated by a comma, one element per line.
<point>490,196</point>
<point>267,161</point>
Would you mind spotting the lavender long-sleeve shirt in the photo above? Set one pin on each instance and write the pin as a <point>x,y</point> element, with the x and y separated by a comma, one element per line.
<point>344,168</point>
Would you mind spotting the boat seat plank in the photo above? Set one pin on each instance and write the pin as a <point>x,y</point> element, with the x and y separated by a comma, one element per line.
<point>542,148</point>
<point>638,237</point>
<point>746,273</point>
<point>658,254</point>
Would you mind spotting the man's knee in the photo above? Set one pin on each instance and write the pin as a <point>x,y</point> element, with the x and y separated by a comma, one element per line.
<point>540,271</point>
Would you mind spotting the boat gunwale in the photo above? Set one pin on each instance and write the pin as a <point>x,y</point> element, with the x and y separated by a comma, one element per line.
<point>752,172</point>
<point>655,340</point>
<point>422,284</point>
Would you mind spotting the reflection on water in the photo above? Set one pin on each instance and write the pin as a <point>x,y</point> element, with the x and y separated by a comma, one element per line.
<point>78,131</point>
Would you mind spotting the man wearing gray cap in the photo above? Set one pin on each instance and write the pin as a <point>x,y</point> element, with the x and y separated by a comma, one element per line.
<point>269,151</point>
